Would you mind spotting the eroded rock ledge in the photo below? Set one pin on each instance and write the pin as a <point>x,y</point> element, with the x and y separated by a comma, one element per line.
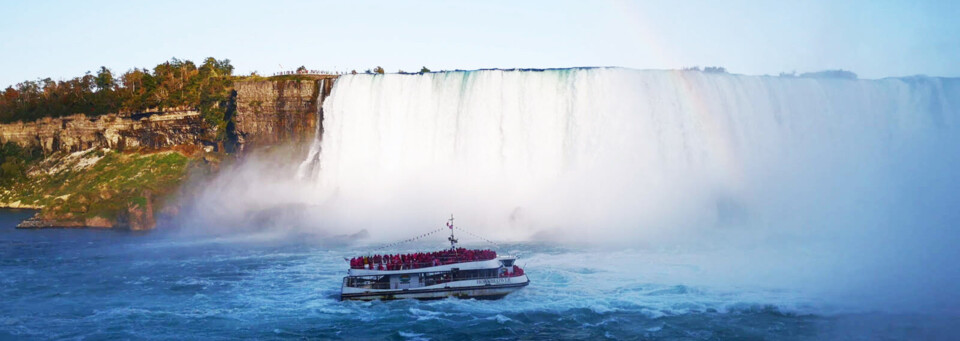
<point>79,132</point>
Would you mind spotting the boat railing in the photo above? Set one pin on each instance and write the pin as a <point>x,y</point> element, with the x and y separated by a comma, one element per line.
<point>419,265</point>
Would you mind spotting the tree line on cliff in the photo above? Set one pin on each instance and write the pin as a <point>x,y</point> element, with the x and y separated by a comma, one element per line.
<point>175,84</point>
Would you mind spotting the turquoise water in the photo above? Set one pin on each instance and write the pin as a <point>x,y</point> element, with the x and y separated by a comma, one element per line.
<point>94,284</point>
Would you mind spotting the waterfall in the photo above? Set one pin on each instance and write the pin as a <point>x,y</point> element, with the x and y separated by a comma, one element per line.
<point>627,153</point>
<point>309,165</point>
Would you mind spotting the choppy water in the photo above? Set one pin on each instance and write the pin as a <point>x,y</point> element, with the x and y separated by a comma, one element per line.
<point>90,284</point>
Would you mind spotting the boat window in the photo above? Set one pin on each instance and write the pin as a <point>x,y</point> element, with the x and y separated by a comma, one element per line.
<point>369,282</point>
<point>475,274</point>
<point>439,277</point>
<point>427,278</point>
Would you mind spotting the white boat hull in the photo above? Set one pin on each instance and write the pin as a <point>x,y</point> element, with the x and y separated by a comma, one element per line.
<point>491,288</point>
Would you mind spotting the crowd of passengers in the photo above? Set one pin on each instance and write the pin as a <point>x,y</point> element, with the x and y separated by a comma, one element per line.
<point>420,259</point>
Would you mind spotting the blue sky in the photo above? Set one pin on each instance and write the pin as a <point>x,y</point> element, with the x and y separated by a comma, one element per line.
<point>872,38</point>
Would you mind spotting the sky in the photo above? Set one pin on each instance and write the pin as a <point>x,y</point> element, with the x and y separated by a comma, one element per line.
<point>875,39</point>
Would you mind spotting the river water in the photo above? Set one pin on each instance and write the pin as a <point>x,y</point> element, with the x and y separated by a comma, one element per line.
<point>96,284</point>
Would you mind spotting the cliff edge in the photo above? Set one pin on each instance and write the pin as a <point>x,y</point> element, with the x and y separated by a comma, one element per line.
<point>269,112</point>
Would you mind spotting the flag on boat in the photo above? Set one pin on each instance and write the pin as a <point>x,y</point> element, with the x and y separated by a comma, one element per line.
<point>450,225</point>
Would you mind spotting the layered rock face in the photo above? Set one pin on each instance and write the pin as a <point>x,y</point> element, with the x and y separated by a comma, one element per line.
<point>79,132</point>
<point>278,111</point>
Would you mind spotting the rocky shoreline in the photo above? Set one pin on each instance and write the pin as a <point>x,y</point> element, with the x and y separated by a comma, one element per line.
<point>18,205</point>
<point>134,218</point>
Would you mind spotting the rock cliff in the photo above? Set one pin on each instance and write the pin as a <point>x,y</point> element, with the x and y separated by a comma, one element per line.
<point>79,132</point>
<point>274,111</point>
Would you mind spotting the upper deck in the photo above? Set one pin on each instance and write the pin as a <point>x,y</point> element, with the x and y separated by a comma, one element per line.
<point>474,265</point>
<point>420,260</point>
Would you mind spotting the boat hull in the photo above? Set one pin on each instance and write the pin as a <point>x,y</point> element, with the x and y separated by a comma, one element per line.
<point>479,289</point>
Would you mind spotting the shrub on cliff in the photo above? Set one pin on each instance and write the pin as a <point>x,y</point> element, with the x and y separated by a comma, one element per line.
<point>14,161</point>
<point>12,169</point>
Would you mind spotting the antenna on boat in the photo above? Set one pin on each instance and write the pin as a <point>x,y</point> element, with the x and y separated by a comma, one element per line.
<point>452,239</point>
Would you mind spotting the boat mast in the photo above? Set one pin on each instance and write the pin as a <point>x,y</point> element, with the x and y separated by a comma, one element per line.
<point>452,239</point>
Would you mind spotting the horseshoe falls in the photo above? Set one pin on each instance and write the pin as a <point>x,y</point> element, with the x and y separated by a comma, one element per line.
<point>841,190</point>
<point>639,158</point>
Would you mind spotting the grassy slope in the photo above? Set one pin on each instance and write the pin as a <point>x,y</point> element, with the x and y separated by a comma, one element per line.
<point>97,182</point>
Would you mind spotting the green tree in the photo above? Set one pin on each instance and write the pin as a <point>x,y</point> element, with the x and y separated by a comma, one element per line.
<point>105,81</point>
<point>213,91</point>
<point>11,170</point>
<point>105,100</point>
<point>424,70</point>
<point>14,160</point>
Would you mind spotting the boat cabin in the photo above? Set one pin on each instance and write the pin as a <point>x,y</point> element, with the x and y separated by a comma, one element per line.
<point>502,267</point>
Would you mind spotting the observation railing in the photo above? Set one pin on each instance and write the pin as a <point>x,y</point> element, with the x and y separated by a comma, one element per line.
<point>390,265</point>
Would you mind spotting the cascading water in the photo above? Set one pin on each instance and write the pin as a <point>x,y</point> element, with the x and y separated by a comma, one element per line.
<point>610,154</point>
<point>313,155</point>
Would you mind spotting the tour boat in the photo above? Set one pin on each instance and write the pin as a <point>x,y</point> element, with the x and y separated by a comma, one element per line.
<point>454,272</point>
